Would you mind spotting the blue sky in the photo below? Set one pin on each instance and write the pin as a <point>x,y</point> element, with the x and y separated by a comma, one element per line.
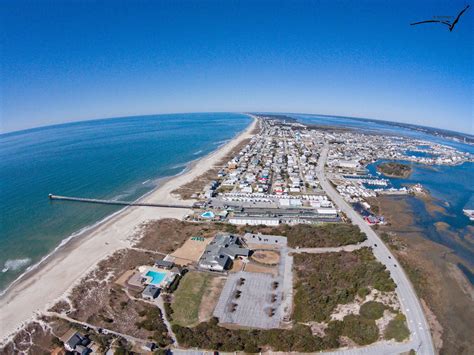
<point>74,60</point>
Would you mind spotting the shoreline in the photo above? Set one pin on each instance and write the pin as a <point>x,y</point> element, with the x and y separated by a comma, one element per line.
<point>82,232</point>
<point>39,287</point>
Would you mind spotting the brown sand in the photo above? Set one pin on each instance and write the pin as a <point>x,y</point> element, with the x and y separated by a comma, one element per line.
<point>190,252</point>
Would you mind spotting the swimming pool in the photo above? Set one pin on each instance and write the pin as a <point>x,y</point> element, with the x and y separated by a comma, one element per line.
<point>208,214</point>
<point>156,277</point>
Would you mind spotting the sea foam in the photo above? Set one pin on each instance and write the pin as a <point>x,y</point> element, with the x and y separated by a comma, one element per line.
<point>15,264</point>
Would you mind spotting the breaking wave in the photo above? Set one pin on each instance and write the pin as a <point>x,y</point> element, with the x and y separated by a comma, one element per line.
<point>15,264</point>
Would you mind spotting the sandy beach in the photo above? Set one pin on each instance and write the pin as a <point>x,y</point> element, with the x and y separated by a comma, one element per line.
<point>42,287</point>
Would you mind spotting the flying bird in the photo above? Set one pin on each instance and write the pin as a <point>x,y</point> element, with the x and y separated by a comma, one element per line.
<point>447,23</point>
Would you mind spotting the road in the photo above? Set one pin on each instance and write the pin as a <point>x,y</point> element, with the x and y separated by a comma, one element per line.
<point>420,339</point>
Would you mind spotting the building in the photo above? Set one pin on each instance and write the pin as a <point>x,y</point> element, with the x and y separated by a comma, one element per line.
<point>150,292</point>
<point>149,346</point>
<point>78,344</point>
<point>164,264</point>
<point>254,221</point>
<point>327,212</point>
<point>220,253</point>
<point>350,164</point>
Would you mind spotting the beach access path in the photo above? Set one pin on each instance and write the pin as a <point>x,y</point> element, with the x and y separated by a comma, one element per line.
<point>43,286</point>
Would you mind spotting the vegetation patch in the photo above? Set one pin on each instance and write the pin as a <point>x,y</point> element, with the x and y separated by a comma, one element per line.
<point>210,335</point>
<point>167,235</point>
<point>372,310</point>
<point>397,328</point>
<point>32,339</point>
<point>315,236</point>
<point>153,322</point>
<point>394,169</point>
<point>325,280</point>
<point>361,330</point>
<point>188,297</point>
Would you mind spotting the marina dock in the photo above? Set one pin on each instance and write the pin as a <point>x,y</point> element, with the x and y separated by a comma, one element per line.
<point>113,202</point>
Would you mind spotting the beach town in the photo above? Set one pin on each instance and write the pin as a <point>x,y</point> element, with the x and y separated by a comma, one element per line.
<point>273,179</point>
<point>148,278</point>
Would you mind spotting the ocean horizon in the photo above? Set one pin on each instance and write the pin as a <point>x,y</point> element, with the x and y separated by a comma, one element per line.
<point>117,158</point>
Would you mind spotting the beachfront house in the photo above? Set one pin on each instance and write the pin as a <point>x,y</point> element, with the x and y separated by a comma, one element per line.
<point>78,344</point>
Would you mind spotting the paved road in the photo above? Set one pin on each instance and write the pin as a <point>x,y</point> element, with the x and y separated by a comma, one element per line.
<point>420,339</point>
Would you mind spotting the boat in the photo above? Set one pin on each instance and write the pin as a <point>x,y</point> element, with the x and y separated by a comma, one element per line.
<point>469,214</point>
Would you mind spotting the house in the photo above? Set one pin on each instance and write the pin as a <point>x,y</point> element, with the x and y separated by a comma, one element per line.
<point>150,292</point>
<point>83,350</point>
<point>164,264</point>
<point>74,341</point>
<point>149,346</point>
<point>78,344</point>
<point>209,193</point>
<point>220,253</point>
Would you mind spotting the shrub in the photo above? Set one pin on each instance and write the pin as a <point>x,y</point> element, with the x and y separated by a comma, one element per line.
<point>326,235</point>
<point>153,322</point>
<point>362,292</point>
<point>362,331</point>
<point>211,336</point>
<point>326,280</point>
<point>168,310</point>
<point>174,285</point>
<point>372,310</point>
<point>397,328</point>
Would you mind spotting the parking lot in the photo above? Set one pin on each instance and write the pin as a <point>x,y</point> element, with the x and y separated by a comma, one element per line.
<point>251,300</point>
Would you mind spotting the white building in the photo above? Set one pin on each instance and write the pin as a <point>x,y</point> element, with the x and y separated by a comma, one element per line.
<point>254,221</point>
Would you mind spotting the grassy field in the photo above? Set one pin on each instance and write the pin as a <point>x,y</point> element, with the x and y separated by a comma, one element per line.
<point>188,296</point>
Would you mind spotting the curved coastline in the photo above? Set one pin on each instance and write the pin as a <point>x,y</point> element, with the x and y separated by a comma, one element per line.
<point>20,301</point>
<point>90,228</point>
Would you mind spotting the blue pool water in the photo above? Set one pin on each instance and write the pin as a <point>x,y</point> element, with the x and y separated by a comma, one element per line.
<point>119,158</point>
<point>208,214</point>
<point>156,277</point>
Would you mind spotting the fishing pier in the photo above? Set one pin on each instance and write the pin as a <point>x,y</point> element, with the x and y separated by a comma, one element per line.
<point>113,202</point>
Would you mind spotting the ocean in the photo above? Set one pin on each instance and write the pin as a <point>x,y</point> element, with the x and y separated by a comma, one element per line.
<point>118,158</point>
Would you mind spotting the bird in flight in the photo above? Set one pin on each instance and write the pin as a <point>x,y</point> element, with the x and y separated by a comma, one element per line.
<point>447,23</point>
